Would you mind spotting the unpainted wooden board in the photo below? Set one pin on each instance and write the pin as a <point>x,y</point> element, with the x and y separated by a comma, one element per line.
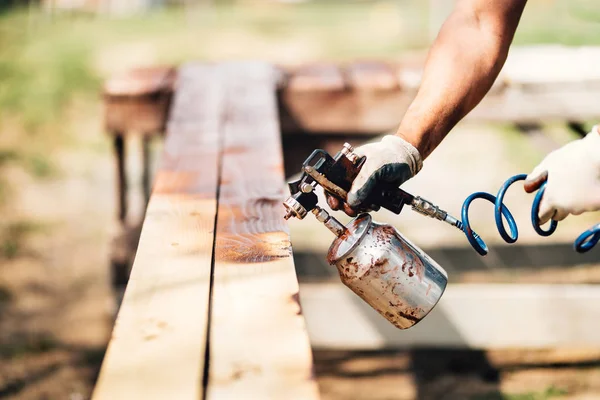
<point>467,316</point>
<point>371,76</point>
<point>259,347</point>
<point>315,78</point>
<point>158,343</point>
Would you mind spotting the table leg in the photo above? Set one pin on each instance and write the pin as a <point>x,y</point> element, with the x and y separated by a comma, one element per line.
<point>119,146</point>
<point>146,168</point>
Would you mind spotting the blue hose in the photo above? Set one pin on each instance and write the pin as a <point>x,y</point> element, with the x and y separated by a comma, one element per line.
<point>585,242</point>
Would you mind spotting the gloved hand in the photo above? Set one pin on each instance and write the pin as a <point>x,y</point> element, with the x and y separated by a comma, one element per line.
<point>573,179</point>
<point>391,160</point>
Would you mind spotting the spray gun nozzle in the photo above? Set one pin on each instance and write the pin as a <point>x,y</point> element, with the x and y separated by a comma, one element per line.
<point>331,223</point>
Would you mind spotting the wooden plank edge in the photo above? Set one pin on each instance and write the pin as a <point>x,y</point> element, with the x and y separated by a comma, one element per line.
<point>259,346</point>
<point>157,346</point>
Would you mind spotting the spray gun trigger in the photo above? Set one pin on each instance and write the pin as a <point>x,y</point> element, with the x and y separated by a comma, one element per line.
<point>294,186</point>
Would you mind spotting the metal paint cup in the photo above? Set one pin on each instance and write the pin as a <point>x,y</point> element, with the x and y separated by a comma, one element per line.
<point>386,270</point>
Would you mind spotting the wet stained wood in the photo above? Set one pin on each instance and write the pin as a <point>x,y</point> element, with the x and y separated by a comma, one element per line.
<point>259,346</point>
<point>343,112</point>
<point>362,97</point>
<point>158,344</point>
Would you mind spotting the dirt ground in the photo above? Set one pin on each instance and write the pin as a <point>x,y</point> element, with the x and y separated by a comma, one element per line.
<point>56,309</point>
<point>454,374</point>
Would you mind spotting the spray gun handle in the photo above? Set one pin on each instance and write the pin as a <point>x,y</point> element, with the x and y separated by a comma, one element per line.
<point>391,198</point>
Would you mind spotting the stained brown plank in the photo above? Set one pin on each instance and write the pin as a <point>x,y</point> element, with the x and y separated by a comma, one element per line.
<point>158,343</point>
<point>363,97</point>
<point>259,346</point>
<point>343,112</point>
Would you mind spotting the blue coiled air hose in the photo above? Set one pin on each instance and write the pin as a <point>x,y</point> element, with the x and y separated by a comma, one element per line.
<point>585,242</point>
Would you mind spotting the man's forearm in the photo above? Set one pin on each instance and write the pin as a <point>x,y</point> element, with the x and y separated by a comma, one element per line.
<point>462,64</point>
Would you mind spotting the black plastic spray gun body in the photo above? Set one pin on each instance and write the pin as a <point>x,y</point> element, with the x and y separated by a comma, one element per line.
<point>336,174</point>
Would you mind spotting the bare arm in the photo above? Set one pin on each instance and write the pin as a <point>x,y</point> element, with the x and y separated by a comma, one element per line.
<point>461,66</point>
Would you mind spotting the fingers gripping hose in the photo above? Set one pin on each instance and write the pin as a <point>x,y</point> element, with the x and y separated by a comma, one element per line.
<point>585,242</point>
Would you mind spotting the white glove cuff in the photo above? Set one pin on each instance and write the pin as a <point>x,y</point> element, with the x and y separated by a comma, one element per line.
<point>593,141</point>
<point>416,162</point>
<point>594,134</point>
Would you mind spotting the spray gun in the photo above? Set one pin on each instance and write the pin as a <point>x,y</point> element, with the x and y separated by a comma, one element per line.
<point>377,262</point>
<point>374,260</point>
<point>336,174</point>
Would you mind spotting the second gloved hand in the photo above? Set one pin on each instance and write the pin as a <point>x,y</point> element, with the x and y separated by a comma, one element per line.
<point>572,173</point>
<point>391,160</point>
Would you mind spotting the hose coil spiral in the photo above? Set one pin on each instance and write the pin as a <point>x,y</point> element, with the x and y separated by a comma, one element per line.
<point>585,242</point>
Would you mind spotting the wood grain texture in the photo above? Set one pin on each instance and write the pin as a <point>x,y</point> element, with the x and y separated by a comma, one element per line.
<point>158,343</point>
<point>259,346</point>
<point>343,112</point>
<point>363,97</point>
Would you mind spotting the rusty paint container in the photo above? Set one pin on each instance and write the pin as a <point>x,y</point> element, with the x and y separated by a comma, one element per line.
<point>386,270</point>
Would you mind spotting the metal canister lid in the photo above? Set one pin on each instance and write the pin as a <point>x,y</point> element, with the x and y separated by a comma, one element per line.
<point>345,244</point>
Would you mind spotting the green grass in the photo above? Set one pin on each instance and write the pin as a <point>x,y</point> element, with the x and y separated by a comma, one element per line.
<point>563,22</point>
<point>42,66</point>
<point>13,237</point>
<point>522,152</point>
<point>35,343</point>
<point>551,392</point>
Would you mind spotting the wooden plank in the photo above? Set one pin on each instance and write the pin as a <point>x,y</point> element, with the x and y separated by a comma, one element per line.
<point>138,100</point>
<point>316,78</point>
<point>141,82</point>
<point>259,346</point>
<point>343,111</point>
<point>158,343</point>
<point>468,316</point>
<point>371,76</point>
<point>540,83</point>
<point>347,112</point>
